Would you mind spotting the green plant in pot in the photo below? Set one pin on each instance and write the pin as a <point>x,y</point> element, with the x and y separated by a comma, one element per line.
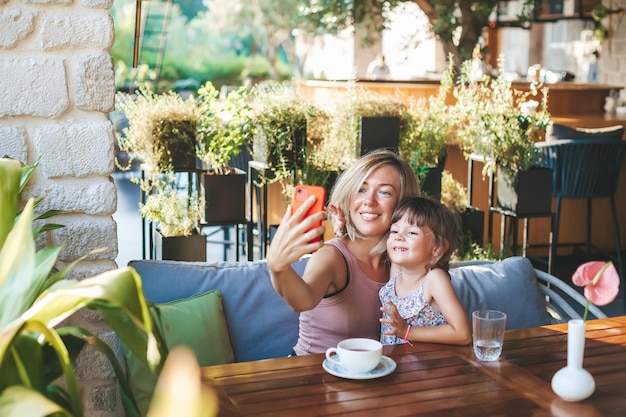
<point>161,130</point>
<point>359,106</point>
<point>498,121</point>
<point>36,348</point>
<point>502,125</point>
<point>286,132</point>
<point>431,127</point>
<point>225,129</point>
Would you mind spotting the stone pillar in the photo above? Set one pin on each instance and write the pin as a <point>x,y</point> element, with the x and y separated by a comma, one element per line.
<point>56,89</point>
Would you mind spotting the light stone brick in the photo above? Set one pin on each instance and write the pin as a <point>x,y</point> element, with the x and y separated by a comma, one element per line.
<point>47,1</point>
<point>33,87</point>
<point>13,142</point>
<point>88,195</point>
<point>93,364</point>
<point>103,398</point>
<point>95,83</point>
<point>84,234</point>
<point>77,32</point>
<point>88,269</point>
<point>97,4</point>
<point>15,25</point>
<point>76,149</point>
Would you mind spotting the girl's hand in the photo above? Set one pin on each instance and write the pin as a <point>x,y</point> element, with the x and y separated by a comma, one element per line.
<point>291,240</point>
<point>338,220</point>
<point>398,324</point>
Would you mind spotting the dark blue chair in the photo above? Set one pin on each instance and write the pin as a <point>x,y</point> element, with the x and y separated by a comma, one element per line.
<point>585,168</point>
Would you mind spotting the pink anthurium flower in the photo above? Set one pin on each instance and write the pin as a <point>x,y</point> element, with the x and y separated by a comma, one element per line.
<point>601,282</point>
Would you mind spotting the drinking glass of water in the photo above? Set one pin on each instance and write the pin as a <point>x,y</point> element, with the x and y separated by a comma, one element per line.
<point>488,333</point>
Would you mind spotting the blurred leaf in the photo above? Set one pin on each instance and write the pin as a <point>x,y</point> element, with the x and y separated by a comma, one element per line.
<point>18,401</point>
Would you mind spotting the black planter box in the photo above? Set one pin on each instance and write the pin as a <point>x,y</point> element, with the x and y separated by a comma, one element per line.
<point>473,224</point>
<point>181,248</point>
<point>431,186</point>
<point>379,132</point>
<point>225,197</point>
<point>525,193</point>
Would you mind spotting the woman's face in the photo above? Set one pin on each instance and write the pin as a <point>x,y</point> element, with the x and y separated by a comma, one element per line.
<point>375,201</point>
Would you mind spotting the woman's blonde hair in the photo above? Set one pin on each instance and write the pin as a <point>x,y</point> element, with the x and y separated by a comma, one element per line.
<point>350,181</point>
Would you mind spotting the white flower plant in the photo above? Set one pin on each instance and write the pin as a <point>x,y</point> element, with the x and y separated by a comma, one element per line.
<point>153,119</point>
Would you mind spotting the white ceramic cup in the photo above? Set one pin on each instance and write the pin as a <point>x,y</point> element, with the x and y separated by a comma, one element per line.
<point>357,355</point>
<point>488,333</point>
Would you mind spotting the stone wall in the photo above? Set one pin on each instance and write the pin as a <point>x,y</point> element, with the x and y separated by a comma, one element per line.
<point>56,88</point>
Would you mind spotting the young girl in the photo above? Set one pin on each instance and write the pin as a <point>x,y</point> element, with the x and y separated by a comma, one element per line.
<point>419,302</point>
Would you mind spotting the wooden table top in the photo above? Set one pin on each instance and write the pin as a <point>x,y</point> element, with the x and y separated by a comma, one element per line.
<point>437,380</point>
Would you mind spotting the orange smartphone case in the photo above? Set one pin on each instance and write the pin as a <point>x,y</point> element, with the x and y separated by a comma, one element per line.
<point>301,193</point>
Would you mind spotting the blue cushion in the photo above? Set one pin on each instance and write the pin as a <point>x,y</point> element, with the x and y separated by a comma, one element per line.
<point>556,131</point>
<point>260,323</point>
<point>509,285</point>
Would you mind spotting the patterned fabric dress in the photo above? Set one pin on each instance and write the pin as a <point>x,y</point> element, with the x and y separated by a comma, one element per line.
<point>413,308</point>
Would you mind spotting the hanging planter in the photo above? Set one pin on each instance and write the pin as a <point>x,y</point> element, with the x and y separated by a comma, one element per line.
<point>225,197</point>
<point>430,183</point>
<point>379,132</point>
<point>527,192</point>
<point>181,248</point>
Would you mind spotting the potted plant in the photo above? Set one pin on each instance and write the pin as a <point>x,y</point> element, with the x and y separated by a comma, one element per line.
<point>362,121</point>
<point>430,128</point>
<point>502,125</point>
<point>162,134</point>
<point>35,299</point>
<point>225,129</point>
<point>176,213</point>
<point>287,131</point>
<point>161,130</point>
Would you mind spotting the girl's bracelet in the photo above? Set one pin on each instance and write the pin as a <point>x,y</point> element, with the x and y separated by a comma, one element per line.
<point>406,336</point>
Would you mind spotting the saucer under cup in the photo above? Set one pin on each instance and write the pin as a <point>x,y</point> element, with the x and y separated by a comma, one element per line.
<point>357,355</point>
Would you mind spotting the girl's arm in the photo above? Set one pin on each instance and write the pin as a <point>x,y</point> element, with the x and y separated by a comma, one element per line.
<point>439,290</point>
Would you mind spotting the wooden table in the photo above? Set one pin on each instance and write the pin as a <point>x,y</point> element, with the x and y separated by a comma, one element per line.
<point>437,380</point>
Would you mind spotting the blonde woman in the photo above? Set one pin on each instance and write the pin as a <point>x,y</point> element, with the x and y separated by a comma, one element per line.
<point>337,296</point>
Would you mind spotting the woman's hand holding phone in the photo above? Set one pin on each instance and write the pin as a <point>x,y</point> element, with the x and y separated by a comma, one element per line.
<point>301,194</point>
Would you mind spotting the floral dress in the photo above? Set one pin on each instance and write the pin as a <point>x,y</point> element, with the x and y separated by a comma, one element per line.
<point>413,308</point>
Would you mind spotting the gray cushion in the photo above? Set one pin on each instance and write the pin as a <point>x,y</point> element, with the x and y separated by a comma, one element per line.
<point>509,285</point>
<point>260,323</point>
<point>556,131</point>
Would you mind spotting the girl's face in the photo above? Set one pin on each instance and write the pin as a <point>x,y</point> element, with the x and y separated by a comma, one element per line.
<point>375,201</point>
<point>410,246</point>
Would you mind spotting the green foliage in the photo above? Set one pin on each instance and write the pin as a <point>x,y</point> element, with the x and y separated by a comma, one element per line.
<point>495,123</point>
<point>430,127</point>
<point>171,207</point>
<point>35,349</point>
<point>343,143</point>
<point>150,126</point>
<point>225,127</point>
<point>289,128</point>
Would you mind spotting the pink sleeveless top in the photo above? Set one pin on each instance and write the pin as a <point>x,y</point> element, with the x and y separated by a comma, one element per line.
<point>352,312</point>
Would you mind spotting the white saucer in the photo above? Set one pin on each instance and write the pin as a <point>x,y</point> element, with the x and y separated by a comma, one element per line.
<point>385,367</point>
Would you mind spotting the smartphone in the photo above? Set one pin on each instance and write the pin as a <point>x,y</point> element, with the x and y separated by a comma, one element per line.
<point>301,193</point>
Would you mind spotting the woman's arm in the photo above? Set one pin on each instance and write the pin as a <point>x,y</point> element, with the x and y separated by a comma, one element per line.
<point>288,245</point>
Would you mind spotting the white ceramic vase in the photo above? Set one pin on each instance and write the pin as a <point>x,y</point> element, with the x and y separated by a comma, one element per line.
<point>573,383</point>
